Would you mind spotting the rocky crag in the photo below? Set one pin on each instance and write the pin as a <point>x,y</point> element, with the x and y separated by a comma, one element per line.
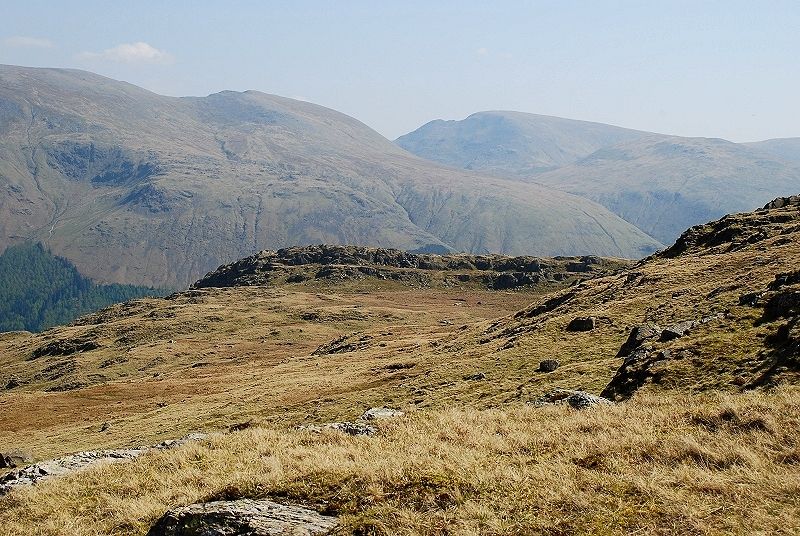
<point>340,263</point>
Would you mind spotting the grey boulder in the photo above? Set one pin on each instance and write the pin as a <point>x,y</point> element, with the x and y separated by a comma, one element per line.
<point>243,517</point>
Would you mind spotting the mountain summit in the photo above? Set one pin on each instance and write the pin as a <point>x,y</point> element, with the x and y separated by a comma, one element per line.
<point>136,187</point>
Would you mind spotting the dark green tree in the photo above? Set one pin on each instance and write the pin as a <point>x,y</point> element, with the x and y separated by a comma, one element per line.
<point>39,290</point>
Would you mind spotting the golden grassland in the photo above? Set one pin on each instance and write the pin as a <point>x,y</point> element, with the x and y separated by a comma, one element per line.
<point>208,360</point>
<point>687,464</point>
<point>694,452</point>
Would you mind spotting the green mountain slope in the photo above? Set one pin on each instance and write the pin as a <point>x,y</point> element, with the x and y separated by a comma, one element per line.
<point>39,290</point>
<point>139,188</point>
<point>662,184</point>
<point>666,184</point>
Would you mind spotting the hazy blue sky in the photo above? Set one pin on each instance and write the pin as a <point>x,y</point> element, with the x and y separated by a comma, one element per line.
<point>722,69</point>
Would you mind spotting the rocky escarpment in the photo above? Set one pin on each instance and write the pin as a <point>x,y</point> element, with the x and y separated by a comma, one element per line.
<point>736,231</point>
<point>332,263</point>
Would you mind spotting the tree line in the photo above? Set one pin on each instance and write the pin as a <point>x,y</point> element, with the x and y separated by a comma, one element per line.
<point>39,290</point>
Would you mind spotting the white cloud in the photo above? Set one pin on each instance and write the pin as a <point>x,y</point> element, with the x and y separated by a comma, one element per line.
<point>22,41</point>
<point>483,51</point>
<point>138,52</point>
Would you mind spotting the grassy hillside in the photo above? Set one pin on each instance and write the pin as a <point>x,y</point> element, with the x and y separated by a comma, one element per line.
<point>39,290</point>
<point>134,187</point>
<point>706,415</point>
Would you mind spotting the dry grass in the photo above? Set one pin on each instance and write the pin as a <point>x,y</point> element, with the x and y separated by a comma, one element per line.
<point>688,464</point>
<point>231,355</point>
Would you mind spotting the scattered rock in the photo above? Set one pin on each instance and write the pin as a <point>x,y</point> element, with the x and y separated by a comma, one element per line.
<point>638,336</point>
<point>245,517</point>
<point>582,324</point>
<point>676,331</point>
<point>6,462</point>
<point>638,369</point>
<point>239,426</point>
<point>344,344</point>
<point>380,413</point>
<point>66,347</point>
<point>680,329</point>
<point>475,377</point>
<point>12,383</point>
<point>548,365</point>
<point>751,298</point>
<point>575,399</point>
<point>785,279</point>
<point>357,428</point>
<point>782,304</point>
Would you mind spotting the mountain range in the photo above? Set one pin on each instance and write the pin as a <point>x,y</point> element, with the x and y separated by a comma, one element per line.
<point>660,183</point>
<point>135,187</point>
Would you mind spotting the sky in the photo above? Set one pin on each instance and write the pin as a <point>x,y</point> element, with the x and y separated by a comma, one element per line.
<point>728,69</point>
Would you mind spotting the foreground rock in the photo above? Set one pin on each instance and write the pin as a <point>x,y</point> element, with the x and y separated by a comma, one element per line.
<point>246,517</point>
<point>575,399</point>
<point>37,472</point>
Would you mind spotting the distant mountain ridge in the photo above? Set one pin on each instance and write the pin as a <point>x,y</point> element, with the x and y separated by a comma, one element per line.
<point>140,188</point>
<point>660,183</point>
<point>512,143</point>
<point>785,148</point>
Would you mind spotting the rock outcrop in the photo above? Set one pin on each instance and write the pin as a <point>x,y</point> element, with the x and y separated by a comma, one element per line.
<point>736,231</point>
<point>361,427</point>
<point>339,263</point>
<point>638,336</point>
<point>792,200</point>
<point>6,462</point>
<point>377,413</point>
<point>245,517</point>
<point>574,399</point>
<point>37,472</point>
